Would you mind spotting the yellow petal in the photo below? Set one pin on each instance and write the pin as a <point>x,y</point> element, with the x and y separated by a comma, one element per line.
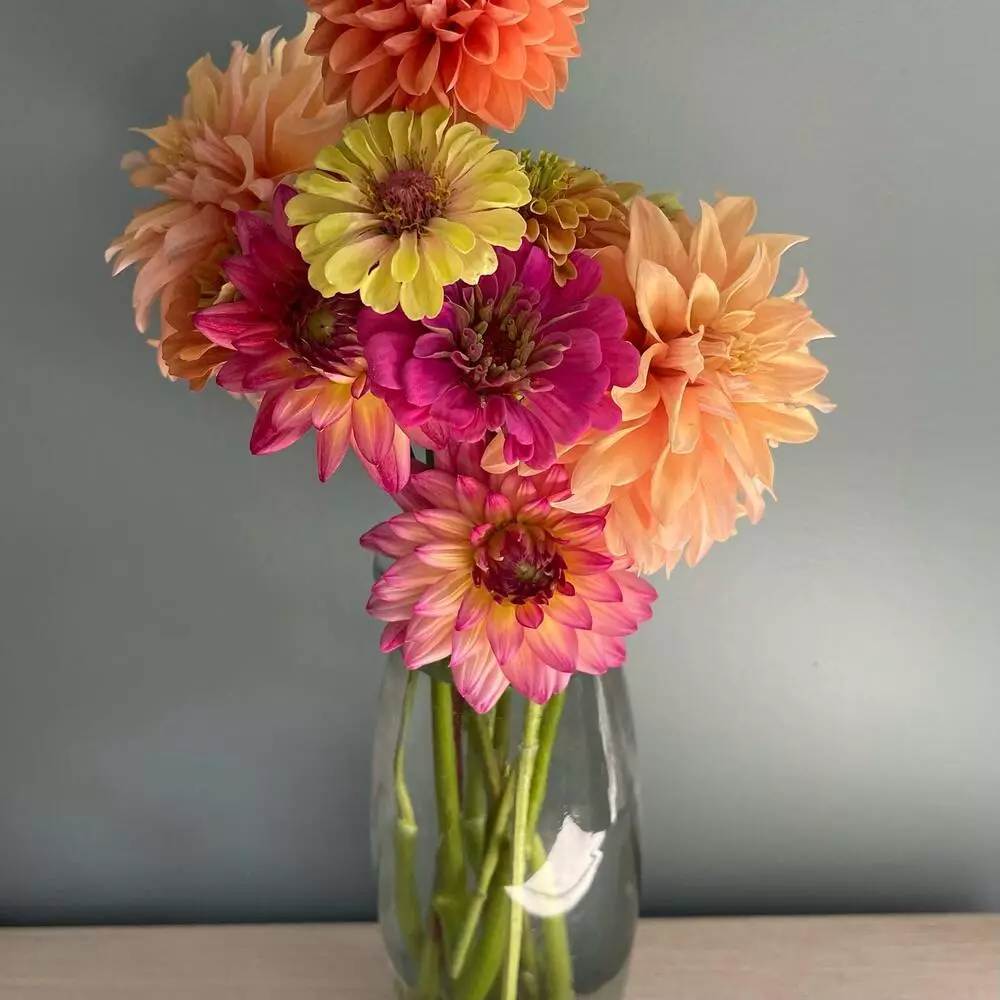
<point>462,238</point>
<point>400,123</point>
<point>323,185</point>
<point>349,265</point>
<point>317,272</point>
<point>503,227</point>
<point>380,290</point>
<point>423,296</point>
<point>406,260</point>
<point>342,225</point>
<point>481,260</point>
<point>305,208</point>
<point>498,194</point>
<point>444,261</point>
<point>356,139</point>
<point>336,161</point>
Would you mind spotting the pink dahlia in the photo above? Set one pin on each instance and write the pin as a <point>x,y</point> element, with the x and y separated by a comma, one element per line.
<point>515,354</point>
<point>489,573</point>
<point>302,352</point>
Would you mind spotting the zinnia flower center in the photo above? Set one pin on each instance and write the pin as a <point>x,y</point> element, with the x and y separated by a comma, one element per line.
<point>516,564</point>
<point>408,200</point>
<point>496,346</point>
<point>324,333</point>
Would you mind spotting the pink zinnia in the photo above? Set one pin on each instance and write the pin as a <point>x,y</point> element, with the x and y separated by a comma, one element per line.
<point>302,352</point>
<point>489,573</point>
<point>516,354</point>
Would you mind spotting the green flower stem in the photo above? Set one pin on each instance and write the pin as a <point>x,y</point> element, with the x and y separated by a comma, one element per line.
<point>429,970</point>
<point>474,802</point>
<point>519,843</point>
<point>501,728</point>
<point>558,967</point>
<point>529,961</point>
<point>407,895</point>
<point>491,861</point>
<point>558,962</point>
<point>551,714</point>
<point>450,881</point>
<point>484,749</point>
<point>483,968</point>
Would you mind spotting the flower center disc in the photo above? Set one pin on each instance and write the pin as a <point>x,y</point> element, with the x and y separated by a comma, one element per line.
<point>325,334</point>
<point>517,566</point>
<point>408,200</point>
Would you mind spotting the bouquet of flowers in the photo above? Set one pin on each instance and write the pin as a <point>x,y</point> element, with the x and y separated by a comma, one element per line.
<point>563,383</point>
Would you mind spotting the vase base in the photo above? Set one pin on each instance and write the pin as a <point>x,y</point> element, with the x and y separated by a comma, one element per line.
<point>614,989</point>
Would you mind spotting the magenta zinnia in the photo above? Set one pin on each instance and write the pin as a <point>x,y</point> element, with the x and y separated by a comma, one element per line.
<point>493,576</point>
<point>516,354</point>
<point>302,352</point>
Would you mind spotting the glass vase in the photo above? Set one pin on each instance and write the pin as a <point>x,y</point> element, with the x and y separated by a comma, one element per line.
<point>506,844</point>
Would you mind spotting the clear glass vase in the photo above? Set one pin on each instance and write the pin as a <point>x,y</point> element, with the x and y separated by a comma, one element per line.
<point>506,844</point>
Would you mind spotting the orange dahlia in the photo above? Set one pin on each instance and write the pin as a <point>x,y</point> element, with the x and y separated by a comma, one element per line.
<point>484,58</point>
<point>725,375</point>
<point>241,131</point>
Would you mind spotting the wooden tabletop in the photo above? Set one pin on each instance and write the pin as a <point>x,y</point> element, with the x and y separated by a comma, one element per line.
<point>826,958</point>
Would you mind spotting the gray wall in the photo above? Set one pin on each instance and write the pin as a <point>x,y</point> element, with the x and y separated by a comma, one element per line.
<point>188,679</point>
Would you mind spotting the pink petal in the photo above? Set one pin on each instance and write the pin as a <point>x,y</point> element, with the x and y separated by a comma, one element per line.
<point>530,615</point>
<point>472,611</point>
<point>392,636</point>
<point>598,587</point>
<point>331,446</point>
<point>448,524</point>
<point>446,555</point>
<point>278,426</point>
<point>534,679</point>
<point>573,611</point>
<point>427,641</point>
<point>442,597</point>
<point>374,428</point>
<point>555,644</point>
<point>504,632</point>
<point>478,676</point>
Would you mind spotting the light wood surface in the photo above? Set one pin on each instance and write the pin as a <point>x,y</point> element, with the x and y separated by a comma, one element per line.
<point>835,958</point>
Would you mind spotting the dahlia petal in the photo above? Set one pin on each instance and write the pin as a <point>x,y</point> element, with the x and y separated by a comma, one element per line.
<point>504,632</point>
<point>596,654</point>
<point>662,302</point>
<point>442,596</point>
<point>445,555</point>
<point>373,428</point>
<point>708,247</point>
<point>427,641</point>
<point>572,611</point>
<point>477,675</point>
<point>529,615</point>
<point>533,679</point>
<point>331,446</point>
<point>332,402</point>
<point>704,301</point>
<point>654,238</point>
<point>392,636</point>
<point>597,586</point>
<point>472,611</point>
<point>281,420</point>
<point>498,508</point>
<point>554,644</point>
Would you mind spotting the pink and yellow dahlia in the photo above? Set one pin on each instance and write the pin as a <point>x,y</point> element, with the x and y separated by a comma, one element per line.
<point>283,339</point>
<point>405,205</point>
<point>726,375</point>
<point>516,354</point>
<point>242,130</point>
<point>483,58</point>
<point>491,574</point>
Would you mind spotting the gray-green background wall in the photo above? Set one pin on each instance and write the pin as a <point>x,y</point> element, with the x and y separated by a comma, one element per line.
<point>188,679</point>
